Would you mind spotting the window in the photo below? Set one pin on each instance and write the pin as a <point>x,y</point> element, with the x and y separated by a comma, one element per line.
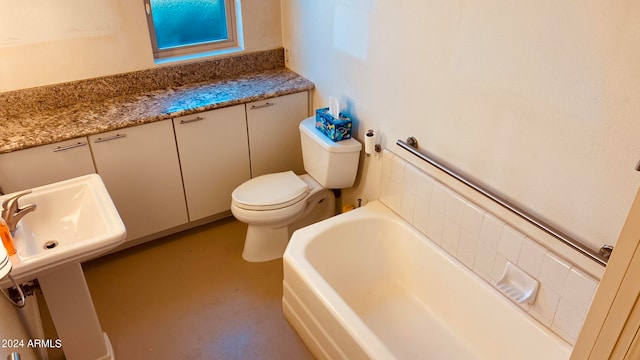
<point>180,27</point>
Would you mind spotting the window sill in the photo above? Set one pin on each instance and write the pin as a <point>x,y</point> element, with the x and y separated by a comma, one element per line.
<point>197,56</point>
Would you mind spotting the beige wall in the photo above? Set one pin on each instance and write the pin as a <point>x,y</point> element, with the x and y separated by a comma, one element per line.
<point>70,40</point>
<point>538,99</point>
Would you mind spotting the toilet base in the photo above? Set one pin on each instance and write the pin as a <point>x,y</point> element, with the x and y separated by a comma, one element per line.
<point>264,243</point>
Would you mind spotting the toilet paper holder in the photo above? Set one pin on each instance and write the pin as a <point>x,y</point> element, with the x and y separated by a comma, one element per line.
<point>370,145</point>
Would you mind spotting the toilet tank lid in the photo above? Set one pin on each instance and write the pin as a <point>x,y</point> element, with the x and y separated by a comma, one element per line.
<point>308,126</point>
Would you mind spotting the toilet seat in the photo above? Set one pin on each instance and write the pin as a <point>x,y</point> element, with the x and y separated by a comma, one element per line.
<point>270,192</point>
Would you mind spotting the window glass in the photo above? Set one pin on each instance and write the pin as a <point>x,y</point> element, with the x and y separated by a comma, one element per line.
<point>188,26</point>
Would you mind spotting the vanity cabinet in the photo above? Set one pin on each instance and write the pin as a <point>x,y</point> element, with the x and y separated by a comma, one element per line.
<point>214,157</point>
<point>140,168</point>
<point>167,173</point>
<point>45,164</point>
<point>274,137</point>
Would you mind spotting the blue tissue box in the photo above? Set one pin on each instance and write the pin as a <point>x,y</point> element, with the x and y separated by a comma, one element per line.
<point>334,129</point>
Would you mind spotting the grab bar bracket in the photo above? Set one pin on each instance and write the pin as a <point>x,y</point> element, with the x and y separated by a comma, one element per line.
<point>412,141</point>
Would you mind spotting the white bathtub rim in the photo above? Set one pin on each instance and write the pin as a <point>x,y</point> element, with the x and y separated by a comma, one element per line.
<point>295,257</point>
<point>355,326</point>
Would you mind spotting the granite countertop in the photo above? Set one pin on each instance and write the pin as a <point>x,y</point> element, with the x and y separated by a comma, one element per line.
<point>40,127</point>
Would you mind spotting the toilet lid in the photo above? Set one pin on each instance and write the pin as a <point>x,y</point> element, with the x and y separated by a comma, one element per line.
<point>271,191</point>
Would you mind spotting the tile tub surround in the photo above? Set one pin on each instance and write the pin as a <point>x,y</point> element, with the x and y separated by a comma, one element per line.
<point>31,118</point>
<point>484,244</point>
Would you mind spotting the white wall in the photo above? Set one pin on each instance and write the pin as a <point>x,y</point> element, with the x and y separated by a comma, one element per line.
<point>67,40</point>
<point>538,99</point>
<point>46,42</point>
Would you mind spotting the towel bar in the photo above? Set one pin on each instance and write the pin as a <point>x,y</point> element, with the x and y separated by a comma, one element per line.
<point>602,257</point>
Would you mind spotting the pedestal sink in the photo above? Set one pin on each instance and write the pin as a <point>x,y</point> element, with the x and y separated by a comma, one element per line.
<point>75,221</point>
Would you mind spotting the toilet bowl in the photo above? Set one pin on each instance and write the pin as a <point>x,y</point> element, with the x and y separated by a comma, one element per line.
<point>277,209</point>
<point>271,199</point>
<point>275,205</point>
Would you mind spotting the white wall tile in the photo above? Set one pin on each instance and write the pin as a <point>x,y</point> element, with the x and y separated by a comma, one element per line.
<point>484,243</point>
<point>408,206</point>
<point>455,208</point>
<point>423,205</point>
<point>468,247</point>
<point>579,289</point>
<point>391,193</point>
<point>531,257</point>
<point>554,272</point>
<point>410,183</point>
<point>472,218</point>
<point>397,169</point>
<point>425,187</point>
<point>451,236</point>
<point>485,259</point>
<point>421,214</point>
<point>412,178</point>
<point>435,226</point>
<point>490,231</point>
<point>510,243</point>
<point>387,161</point>
<point>439,198</point>
<point>568,320</point>
<point>544,308</point>
<point>498,268</point>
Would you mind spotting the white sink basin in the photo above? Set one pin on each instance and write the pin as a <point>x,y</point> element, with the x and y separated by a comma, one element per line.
<point>75,221</point>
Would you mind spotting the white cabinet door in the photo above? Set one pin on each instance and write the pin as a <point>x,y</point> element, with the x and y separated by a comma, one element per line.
<point>274,137</point>
<point>139,166</point>
<point>45,164</point>
<point>214,156</point>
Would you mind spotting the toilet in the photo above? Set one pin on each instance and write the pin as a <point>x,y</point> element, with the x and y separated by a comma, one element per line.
<point>275,205</point>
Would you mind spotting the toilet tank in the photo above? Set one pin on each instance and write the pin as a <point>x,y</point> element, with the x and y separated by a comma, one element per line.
<point>333,164</point>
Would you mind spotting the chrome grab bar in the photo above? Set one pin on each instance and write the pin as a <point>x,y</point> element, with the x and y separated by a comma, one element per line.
<point>411,145</point>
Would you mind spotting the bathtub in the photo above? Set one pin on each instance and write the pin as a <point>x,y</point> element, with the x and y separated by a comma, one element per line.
<point>367,285</point>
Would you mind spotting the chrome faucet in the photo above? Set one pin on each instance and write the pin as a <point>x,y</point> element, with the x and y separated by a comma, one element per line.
<point>12,213</point>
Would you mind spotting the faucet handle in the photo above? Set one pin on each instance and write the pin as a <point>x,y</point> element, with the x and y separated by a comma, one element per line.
<point>10,204</point>
<point>16,196</point>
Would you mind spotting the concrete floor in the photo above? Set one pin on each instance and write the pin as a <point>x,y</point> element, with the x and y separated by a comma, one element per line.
<point>191,296</point>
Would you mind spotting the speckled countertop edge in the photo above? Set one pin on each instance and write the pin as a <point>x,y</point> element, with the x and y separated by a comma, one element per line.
<point>42,127</point>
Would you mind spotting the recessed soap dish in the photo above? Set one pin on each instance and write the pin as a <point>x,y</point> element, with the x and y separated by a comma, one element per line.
<point>517,285</point>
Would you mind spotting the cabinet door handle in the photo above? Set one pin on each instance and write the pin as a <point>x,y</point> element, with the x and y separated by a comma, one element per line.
<point>267,104</point>
<point>199,118</point>
<point>109,138</point>
<point>69,147</point>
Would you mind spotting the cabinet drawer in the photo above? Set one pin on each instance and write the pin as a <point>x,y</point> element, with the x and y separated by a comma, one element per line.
<point>45,164</point>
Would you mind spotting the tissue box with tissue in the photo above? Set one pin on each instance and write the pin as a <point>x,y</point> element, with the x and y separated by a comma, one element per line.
<point>334,129</point>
